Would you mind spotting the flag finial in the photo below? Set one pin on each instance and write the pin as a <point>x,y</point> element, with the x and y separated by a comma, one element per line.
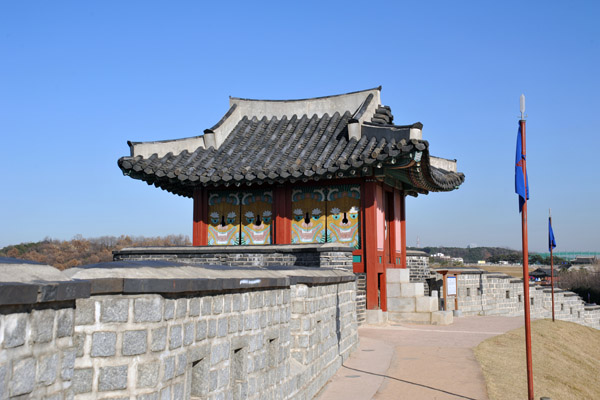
<point>522,106</point>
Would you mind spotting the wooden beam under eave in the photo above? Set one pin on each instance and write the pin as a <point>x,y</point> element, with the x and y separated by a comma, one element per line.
<point>401,181</point>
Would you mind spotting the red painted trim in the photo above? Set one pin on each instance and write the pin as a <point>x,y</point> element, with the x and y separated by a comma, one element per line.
<point>391,220</point>
<point>359,267</point>
<point>282,204</point>
<point>379,218</point>
<point>204,226</point>
<point>196,219</point>
<point>287,226</point>
<point>379,266</point>
<point>200,229</point>
<point>370,243</point>
<point>403,228</point>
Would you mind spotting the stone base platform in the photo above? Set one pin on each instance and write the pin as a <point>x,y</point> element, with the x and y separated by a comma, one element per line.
<point>406,301</point>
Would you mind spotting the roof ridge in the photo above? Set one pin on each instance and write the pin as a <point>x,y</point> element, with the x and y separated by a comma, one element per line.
<point>363,107</point>
<point>308,98</point>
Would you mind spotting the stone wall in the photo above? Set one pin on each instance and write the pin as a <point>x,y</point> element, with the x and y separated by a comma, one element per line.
<point>481,293</point>
<point>321,337</point>
<point>361,298</point>
<point>418,264</point>
<point>329,255</point>
<point>165,330</point>
<point>407,303</point>
<point>151,345</point>
<point>37,353</point>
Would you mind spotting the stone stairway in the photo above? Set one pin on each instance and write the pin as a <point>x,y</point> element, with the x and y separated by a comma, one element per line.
<point>406,301</point>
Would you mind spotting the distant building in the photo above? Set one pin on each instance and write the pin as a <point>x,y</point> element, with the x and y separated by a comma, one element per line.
<point>584,260</point>
<point>542,274</point>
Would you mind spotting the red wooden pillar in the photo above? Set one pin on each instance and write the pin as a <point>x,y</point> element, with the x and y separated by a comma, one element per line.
<point>397,236</point>
<point>372,265</point>
<point>385,248</point>
<point>200,230</point>
<point>282,209</point>
<point>390,218</point>
<point>403,228</point>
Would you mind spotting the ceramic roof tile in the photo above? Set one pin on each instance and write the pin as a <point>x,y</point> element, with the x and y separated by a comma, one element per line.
<point>269,148</point>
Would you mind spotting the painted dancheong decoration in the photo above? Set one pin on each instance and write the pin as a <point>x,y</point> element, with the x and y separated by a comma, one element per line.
<point>308,215</point>
<point>223,215</point>
<point>343,224</point>
<point>320,215</point>
<point>326,215</point>
<point>257,217</point>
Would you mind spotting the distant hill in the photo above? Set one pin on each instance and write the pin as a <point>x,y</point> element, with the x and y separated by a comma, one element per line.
<point>79,251</point>
<point>474,254</point>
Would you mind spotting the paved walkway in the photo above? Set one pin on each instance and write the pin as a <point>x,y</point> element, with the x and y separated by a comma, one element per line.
<point>402,361</point>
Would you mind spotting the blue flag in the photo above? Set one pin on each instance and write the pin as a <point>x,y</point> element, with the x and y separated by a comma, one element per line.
<point>551,241</point>
<point>521,181</point>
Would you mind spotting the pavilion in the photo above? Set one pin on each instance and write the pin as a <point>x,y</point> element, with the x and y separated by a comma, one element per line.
<point>332,169</point>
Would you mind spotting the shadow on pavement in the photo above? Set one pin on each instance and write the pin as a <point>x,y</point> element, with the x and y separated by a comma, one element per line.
<point>410,383</point>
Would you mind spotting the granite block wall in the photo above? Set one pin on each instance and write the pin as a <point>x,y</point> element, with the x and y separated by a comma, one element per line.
<point>322,327</point>
<point>418,264</point>
<point>500,294</point>
<point>361,298</point>
<point>248,341</point>
<point>313,255</point>
<point>37,352</point>
<point>183,347</point>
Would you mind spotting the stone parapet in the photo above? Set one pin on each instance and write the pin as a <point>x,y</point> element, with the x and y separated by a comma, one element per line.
<point>482,293</point>
<point>161,329</point>
<point>418,264</point>
<point>329,255</point>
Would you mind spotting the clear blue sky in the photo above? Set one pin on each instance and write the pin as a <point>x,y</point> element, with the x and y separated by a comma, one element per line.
<point>79,79</point>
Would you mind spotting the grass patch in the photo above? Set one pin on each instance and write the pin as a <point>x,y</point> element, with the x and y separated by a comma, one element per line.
<point>566,362</point>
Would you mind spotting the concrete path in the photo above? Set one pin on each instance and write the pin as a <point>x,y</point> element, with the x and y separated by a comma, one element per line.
<point>402,361</point>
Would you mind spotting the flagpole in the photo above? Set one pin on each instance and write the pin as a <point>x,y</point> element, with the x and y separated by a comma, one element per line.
<point>551,266</point>
<point>526,261</point>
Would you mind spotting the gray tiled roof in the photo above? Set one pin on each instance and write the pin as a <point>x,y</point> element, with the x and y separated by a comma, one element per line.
<point>263,149</point>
